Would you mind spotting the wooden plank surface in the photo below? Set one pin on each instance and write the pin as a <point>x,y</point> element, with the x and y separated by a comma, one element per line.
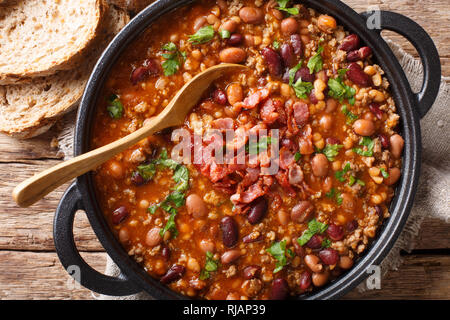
<point>29,267</point>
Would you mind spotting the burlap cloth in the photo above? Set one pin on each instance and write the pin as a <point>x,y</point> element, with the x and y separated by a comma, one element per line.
<point>432,195</point>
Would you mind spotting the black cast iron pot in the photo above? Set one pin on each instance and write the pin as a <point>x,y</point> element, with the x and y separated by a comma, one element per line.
<point>411,107</point>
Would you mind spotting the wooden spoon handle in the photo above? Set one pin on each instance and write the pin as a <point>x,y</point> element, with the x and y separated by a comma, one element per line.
<point>36,187</point>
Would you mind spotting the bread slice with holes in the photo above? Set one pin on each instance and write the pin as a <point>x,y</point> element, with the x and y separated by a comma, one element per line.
<point>27,110</point>
<point>131,5</point>
<point>41,37</point>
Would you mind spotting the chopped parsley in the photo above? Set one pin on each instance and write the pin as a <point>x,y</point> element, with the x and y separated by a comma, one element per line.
<point>282,6</point>
<point>334,194</point>
<point>211,265</point>
<point>174,58</point>
<point>315,64</point>
<point>340,175</point>
<point>203,35</point>
<point>368,150</point>
<point>260,146</point>
<point>278,251</point>
<point>276,45</point>
<point>114,107</point>
<point>331,151</point>
<point>302,88</point>
<point>314,227</point>
<point>326,243</point>
<point>224,34</point>
<point>147,171</point>
<point>350,116</point>
<point>339,90</point>
<point>297,156</point>
<point>384,173</point>
<point>170,226</point>
<point>293,71</point>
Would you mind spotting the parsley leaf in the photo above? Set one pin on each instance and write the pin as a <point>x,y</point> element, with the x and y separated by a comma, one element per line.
<point>384,173</point>
<point>283,3</point>
<point>326,243</point>
<point>262,145</point>
<point>350,116</point>
<point>210,266</point>
<point>291,11</point>
<point>114,107</point>
<point>340,174</point>
<point>331,151</point>
<point>170,225</point>
<point>315,64</point>
<point>278,252</point>
<point>276,45</point>
<point>339,90</point>
<point>181,177</point>
<point>297,156</point>
<point>302,88</point>
<point>224,34</point>
<point>203,35</point>
<point>293,71</point>
<point>369,144</point>
<point>147,171</point>
<point>334,194</point>
<point>174,58</point>
<point>314,227</point>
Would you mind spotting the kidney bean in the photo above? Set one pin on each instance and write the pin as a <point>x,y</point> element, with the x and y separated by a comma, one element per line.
<point>250,238</point>
<point>297,45</point>
<point>305,280</point>
<point>335,232</point>
<point>384,141</point>
<point>280,289</point>
<point>333,140</point>
<point>251,15</point>
<point>257,211</point>
<point>351,225</point>
<point>252,272</point>
<point>119,215</point>
<point>153,238</point>
<point>394,175</point>
<point>379,212</point>
<point>315,242</point>
<point>364,127</point>
<point>232,55</point>
<point>165,252</point>
<point>235,39</point>
<point>345,262</point>
<point>397,144</point>
<point>357,75</point>
<point>303,73</point>
<point>230,231</point>
<point>285,77</point>
<point>319,165</point>
<point>195,206</point>
<point>302,211</point>
<point>313,263</point>
<point>329,256</point>
<point>359,54</point>
<point>150,67</point>
<point>350,43</point>
<point>287,54</point>
<point>289,26</point>
<point>137,179</point>
<point>319,279</point>
<point>230,256</point>
<point>299,250</point>
<point>219,97</point>
<point>273,61</point>
<point>375,109</point>
<point>173,274</point>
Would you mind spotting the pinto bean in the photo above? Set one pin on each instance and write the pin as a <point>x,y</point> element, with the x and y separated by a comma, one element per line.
<point>119,215</point>
<point>206,245</point>
<point>232,55</point>
<point>115,169</point>
<point>348,203</point>
<point>196,206</point>
<point>356,74</point>
<point>397,144</point>
<point>326,122</point>
<point>302,211</point>
<point>319,279</point>
<point>345,262</point>
<point>235,93</point>
<point>350,43</point>
<point>229,25</point>
<point>230,256</point>
<point>364,127</point>
<point>198,23</point>
<point>394,175</point>
<point>283,217</point>
<point>273,61</point>
<point>326,23</point>
<point>297,45</point>
<point>153,238</point>
<point>319,165</point>
<point>313,263</point>
<point>252,272</point>
<point>251,15</point>
<point>257,211</point>
<point>230,232</point>
<point>280,289</point>
<point>173,274</point>
<point>124,235</point>
<point>331,105</point>
<point>287,54</point>
<point>289,26</point>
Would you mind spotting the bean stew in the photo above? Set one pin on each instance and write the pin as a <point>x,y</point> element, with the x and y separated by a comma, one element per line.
<point>323,117</point>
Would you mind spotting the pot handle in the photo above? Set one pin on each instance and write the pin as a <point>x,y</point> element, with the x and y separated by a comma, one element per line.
<point>70,257</point>
<point>428,53</point>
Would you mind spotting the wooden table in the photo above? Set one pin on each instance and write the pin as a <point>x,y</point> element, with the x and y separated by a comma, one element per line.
<point>30,269</point>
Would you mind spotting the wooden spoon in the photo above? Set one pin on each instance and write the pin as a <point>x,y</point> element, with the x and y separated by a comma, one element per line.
<point>36,187</point>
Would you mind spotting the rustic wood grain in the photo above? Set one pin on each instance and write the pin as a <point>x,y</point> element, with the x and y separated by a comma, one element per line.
<point>29,267</point>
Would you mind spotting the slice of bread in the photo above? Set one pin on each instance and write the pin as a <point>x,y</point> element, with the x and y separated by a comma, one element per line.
<point>41,37</point>
<point>27,110</point>
<point>131,5</point>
